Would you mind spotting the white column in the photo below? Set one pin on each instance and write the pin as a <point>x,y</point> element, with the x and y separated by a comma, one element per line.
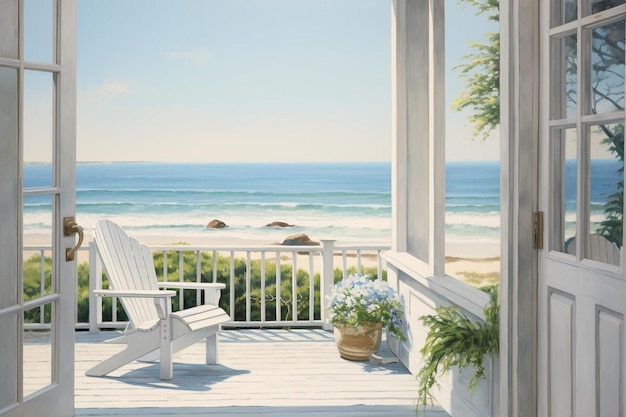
<point>418,131</point>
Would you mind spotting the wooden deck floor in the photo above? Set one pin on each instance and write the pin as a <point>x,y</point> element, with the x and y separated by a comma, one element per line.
<point>261,372</point>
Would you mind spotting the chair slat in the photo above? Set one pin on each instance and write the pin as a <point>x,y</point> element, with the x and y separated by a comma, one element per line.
<point>119,255</point>
<point>200,313</point>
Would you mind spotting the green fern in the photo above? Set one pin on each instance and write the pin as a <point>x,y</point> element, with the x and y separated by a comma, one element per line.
<point>455,340</point>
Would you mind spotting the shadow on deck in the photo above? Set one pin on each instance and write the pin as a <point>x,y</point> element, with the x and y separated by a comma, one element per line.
<point>261,372</point>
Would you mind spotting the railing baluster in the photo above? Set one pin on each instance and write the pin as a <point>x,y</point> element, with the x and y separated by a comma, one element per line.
<point>311,287</point>
<point>214,265</point>
<point>294,285</point>
<point>358,261</point>
<point>181,278</point>
<point>113,309</point>
<point>380,265</point>
<point>232,285</point>
<point>165,268</point>
<point>262,286</point>
<point>248,307</point>
<point>344,262</point>
<point>95,282</point>
<point>42,285</point>
<point>198,277</point>
<point>278,301</point>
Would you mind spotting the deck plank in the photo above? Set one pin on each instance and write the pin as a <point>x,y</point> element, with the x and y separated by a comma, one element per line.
<point>261,372</point>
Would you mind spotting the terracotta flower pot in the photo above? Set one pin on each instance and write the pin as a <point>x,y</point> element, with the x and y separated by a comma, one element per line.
<point>358,344</point>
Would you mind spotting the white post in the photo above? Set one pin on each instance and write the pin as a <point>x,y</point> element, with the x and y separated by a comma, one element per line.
<point>95,282</point>
<point>328,279</point>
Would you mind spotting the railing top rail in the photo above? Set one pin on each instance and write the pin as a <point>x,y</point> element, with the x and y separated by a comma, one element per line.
<point>239,248</point>
<point>242,248</point>
<point>349,246</point>
<point>38,247</point>
<point>268,248</point>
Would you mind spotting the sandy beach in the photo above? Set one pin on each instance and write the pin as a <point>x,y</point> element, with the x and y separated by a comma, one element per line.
<point>474,271</point>
<point>465,263</point>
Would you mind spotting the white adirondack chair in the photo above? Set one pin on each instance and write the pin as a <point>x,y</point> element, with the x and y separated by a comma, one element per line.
<point>602,249</point>
<point>153,330</point>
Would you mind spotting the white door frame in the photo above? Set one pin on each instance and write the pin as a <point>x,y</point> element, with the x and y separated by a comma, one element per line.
<point>57,397</point>
<point>519,115</point>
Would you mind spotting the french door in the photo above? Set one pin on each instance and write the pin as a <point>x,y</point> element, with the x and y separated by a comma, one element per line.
<point>37,191</point>
<point>582,285</point>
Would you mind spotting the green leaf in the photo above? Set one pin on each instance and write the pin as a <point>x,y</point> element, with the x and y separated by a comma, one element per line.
<point>453,340</point>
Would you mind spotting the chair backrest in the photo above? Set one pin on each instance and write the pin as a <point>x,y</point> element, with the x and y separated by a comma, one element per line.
<point>601,249</point>
<point>129,266</point>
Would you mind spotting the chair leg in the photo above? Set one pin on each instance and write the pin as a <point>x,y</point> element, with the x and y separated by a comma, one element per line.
<point>120,359</point>
<point>166,351</point>
<point>211,349</point>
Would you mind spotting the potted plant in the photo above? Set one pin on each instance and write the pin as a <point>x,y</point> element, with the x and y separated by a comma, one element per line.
<point>454,340</point>
<point>360,309</point>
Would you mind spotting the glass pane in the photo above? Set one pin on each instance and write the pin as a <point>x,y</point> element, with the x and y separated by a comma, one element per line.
<point>565,77</point>
<point>565,180</point>
<point>38,30</point>
<point>8,110</point>
<point>39,126</point>
<point>565,11</point>
<point>37,272</point>
<point>9,29</point>
<point>601,5</point>
<point>8,365</point>
<point>37,350</point>
<point>607,193</point>
<point>607,75</point>
<point>8,146</point>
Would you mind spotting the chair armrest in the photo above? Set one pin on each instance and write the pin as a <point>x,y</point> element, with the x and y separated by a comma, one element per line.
<point>193,285</point>
<point>135,293</point>
<point>212,291</point>
<point>162,298</point>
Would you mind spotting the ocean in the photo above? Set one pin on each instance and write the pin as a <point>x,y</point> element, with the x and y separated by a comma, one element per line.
<point>348,202</point>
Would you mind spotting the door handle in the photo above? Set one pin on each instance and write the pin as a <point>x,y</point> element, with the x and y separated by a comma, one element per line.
<point>70,227</point>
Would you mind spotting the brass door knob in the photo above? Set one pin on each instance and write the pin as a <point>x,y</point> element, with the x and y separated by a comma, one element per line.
<point>70,227</point>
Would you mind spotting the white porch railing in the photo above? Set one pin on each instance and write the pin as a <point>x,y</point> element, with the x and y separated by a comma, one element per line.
<point>256,303</point>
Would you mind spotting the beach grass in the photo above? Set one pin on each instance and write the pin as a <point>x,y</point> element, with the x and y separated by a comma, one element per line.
<point>479,279</point>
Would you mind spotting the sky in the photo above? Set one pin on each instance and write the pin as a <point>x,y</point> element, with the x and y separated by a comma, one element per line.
<point>248,81</point>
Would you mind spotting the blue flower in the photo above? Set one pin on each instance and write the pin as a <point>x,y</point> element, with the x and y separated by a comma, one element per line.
<point>357,300</point>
